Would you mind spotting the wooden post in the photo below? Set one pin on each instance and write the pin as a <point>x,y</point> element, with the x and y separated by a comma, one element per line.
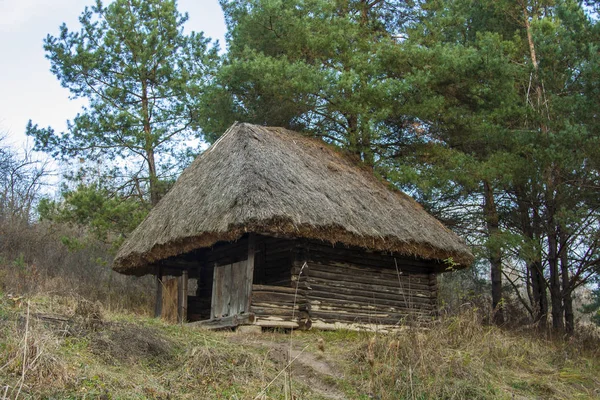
<point>183,296</point>
<point>159,285</point>
<point>250,269</point>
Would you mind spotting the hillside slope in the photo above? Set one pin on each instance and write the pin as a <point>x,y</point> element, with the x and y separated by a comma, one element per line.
<point>65,348</point>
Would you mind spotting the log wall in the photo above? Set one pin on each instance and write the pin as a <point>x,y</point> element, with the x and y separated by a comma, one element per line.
<point>345,293</point>
<point>338,286</point>
<point>335,287</point>
<point>280,306</point>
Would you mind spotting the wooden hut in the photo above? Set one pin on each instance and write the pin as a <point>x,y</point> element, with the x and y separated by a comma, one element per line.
<point>273,228</point>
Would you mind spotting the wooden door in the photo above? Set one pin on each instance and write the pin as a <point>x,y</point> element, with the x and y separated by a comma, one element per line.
<point>170,300</point>
<point>232,286</point>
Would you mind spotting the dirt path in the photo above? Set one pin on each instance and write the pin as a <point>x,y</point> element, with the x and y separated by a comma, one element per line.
<point>314,369</point>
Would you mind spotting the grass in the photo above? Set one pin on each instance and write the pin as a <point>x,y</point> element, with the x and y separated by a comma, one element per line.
<point>77,350</point>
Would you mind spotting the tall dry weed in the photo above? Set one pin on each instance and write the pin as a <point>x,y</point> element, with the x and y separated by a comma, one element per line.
<point>57,259</point>
<point>461,357</point>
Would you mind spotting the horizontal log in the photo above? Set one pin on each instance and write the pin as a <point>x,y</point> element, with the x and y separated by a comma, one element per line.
<point>332,318</point>
<point>331,326</point>
<point>359,326</point>
<point>321,297</point>
<point>370,289</point>
<point>275,297</point>
<point>279,312</point>
<point>366,310</point>
<point>380,262</point>
<point>352,268</point>
<point>405,284</point>
<point>221,323</point>
<point>275,323</point>
<point>370,305</point>
<point>355,274</point>
<point>275,289</point>
<point>391,318</point>
<point>353,313</point>
<point>352,295</point>
<point>281,306</point>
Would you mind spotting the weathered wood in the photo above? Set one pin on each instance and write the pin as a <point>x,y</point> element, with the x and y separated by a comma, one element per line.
<point>283,306</point>
<point>361,304</point>
<point>326,290</point>
<point>325,297</point>
<point>222,323</point>
<point>226,253</point>
<point>274,297</point>
<point>337,284</point>
<point>365,318</point>
<point>287,312</point>
<point>275,289</point>
<point>183,297</point>
<point>340,254</point>
<point>369,287</point>
<point>349,309</point>
<point>170,300</point>
<point>406,290</point>
<point>351,269</point>
<point>249,273</point>
<point>159,290</point>
<point>221,291</point>
<point>385,285</point>
<point>356,326</point>
<point>275,322</point>
<point>237,298</point>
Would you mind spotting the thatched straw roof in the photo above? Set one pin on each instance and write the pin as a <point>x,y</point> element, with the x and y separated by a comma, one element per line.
<point>274,181</point>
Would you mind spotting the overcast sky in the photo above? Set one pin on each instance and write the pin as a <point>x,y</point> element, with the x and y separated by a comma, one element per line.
<point>27,88</point>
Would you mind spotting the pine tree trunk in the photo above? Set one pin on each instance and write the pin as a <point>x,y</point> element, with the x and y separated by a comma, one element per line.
<point>494,252</point>
<point>566,285</point>
<point>535,273</point>
<point>540,297</point>
<point>555,284</point>
<point>149,145</point>
<point>154,193</point>
<point>541,108</point>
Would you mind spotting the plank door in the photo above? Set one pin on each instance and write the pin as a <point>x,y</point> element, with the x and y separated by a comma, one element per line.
<point>169,300</point>
<point>231,290</point>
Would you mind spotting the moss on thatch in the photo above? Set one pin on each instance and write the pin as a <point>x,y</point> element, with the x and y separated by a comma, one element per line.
<point>274,181</point>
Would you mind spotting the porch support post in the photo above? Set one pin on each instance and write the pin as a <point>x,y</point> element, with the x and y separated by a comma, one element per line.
<point>159,288</point>
<point>183,297</point>
<point>250,269</point>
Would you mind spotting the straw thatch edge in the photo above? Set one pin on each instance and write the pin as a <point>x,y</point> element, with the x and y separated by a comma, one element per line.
<point>133,262</point>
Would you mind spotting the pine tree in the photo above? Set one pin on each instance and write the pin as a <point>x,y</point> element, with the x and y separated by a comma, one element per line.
<point>143,79</point>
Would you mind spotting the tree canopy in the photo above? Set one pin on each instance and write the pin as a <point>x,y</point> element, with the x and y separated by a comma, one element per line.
<point>484,111</point>
<point>142,77</point>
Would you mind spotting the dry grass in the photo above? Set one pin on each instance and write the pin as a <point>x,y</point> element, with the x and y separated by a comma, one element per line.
<point>460,358</point>
<point>81,351</point>
<point>75,349</point>
<point>47,258</point>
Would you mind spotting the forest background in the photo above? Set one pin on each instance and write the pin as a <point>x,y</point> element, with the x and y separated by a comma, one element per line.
<point>485,112</point>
